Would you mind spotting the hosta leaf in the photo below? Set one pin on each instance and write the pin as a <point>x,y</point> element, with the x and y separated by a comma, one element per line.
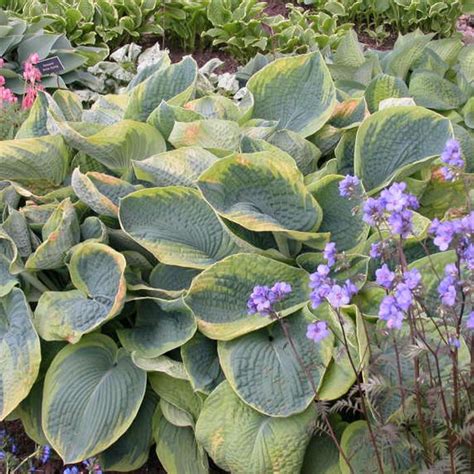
<point>160,326</point>
<point>60,232</point>
<point>218,296</point>
<point>69,103</point>
<point>7,280</point>
<point>163,364</point>
<point>92,393</point>
<point>94,229</point>
<point>179,167</point>
<point>241,440</point>
<point>215,107</point>
<point>174,84</point>
<point>347,228</point>
<point>176,416</point>
<point>131,450</point>
<point>177,449</point>
<point>348,114</point>
<point>213,134</point>
<point>16,227</point>
<point>249,190</point>
<point>116,145</point>
<point>172,279</point>
<point>395,141</point>
<point>107,110</point>
<point>20,353</point>
<point>101,192</point>
<point>296,91</point>
<point>202,363</point>
<point>97,271</point>
<point>40,164</point>
<point>169,223</point>
<point>287,391</point>
<point>432,91</point>
<point>383,87</point>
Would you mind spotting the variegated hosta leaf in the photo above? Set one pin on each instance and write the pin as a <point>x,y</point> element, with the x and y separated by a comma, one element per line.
<point>383,87</point>
<point>242,441</point>
<point>213,134</point>
<point>69,104</point>
<point>216,107</point>
<point>92,394</point>
<point>101,192</point>
<point>107,110</point>
<point>246,361</point>
<point>97,272</point>
<point>169,222</point>
<point>251,189</point>
<point>7,280</point>
<point>434,92</point>
<point>162,364</point>
<point>116,145</point>
<point>40,164</point>
<point>201,361</point>
<point>397,141</point>
<point>20,352</point>
<point>179,167</point>
<point>348,114</point>
<point>346,226</point>
<point>174,84</point>
<point>16,227</point>
<point>218,296</point>
<point>298,92</point>
<point>176,447</point>
<point>160,326</point>
<point>131,450</point>
<point>60,232</point>
<point>165,116</point>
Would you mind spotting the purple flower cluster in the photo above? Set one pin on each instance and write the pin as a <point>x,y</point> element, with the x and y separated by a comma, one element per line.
<point>457,233</point>
<point>348,186</point>
<point>394,306</point>
<point>71,470</point>
<point>317,331</point>
<point>263,298</point>
<point>470,320</point>
<point>451,156</point>
<point>325,288</point>
<point>45,454</point>
<point>448,286</point>
<point>393,206</point>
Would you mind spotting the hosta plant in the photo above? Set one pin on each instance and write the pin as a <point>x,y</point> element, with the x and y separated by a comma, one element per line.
<point>187,270</point>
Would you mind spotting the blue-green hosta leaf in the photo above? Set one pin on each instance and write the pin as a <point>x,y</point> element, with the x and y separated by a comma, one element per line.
<point>346,226</point>
<point>116,145</point>
<point>107,110</point>
<point>97,272</point>
<point>250,189</point>
<point>218,296</point>
<point>162,364</point>
<point>9,250</point>
<point>165,116</point>
<point>447,49</point>
<point>247,360</point>
<point>175,84</point>
<point>92,394</point>
<point>348,114</point>
<point>383,87</point>
<point>201,361</point>
<point>16,227</point>
<point>40,164</point>
<point>7,280</point>
<point>20,353</point>
<point>396,141</point>
<point>213,134</point>
<point>131,450</point>
<point>169,223</point>
<point>60,232</point>
<point>160,326</point>
<point>466,62</point>
<point>297,91</point>
<point>242,440</point>
<point>69,104</point>
<point>431,90</point>
<point>179,167</point>
<point>176,447</point>
<point>305,153</point>
<point>344,152</point>
<point>94,229</point>
<point>216,107</point>
<point>468,113</point>
<point>101,192</point>
<point>349,51</point>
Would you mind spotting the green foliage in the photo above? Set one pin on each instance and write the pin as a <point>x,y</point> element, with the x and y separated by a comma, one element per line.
<point>133,233</point>
<point>402,16</point>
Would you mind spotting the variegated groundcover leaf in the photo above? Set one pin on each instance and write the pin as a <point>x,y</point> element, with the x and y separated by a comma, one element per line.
<point>133,232</point>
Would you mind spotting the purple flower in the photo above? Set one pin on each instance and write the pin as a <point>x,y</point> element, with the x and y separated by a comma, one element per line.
<point>2,455</point>
<point>45,454</point>
<point>317,331</point>
<point>470,320</point>
<point>347,187</point>
<point>376,250</point>
<point>263,298</point>
<point>454,342</point>
<point>320,283</point>
<point>467,255</point>
<point>396,200</point>
<point>401,223</point>
<point>385,277</point>
<point>373,211</point>
<point>391,313</point>
<point>444,233</point>
<point>338,296</point>
<point>446,173</point>
<point>412,278</point>
<point>350,288</point>
<point>403,296</point>
<point>452,154</point>
<point>330,253</point>
<point>447,286</point>
<point>71,470</point>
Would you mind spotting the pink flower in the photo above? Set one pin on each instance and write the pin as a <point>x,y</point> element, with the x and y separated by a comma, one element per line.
<point>34,58</point>
<point>2,81</point>
<point>2,62</point>
<point>7,96</point>
<point>29,98</point>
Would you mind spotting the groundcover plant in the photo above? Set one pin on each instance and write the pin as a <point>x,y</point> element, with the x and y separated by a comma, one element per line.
<point>281,283</point>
